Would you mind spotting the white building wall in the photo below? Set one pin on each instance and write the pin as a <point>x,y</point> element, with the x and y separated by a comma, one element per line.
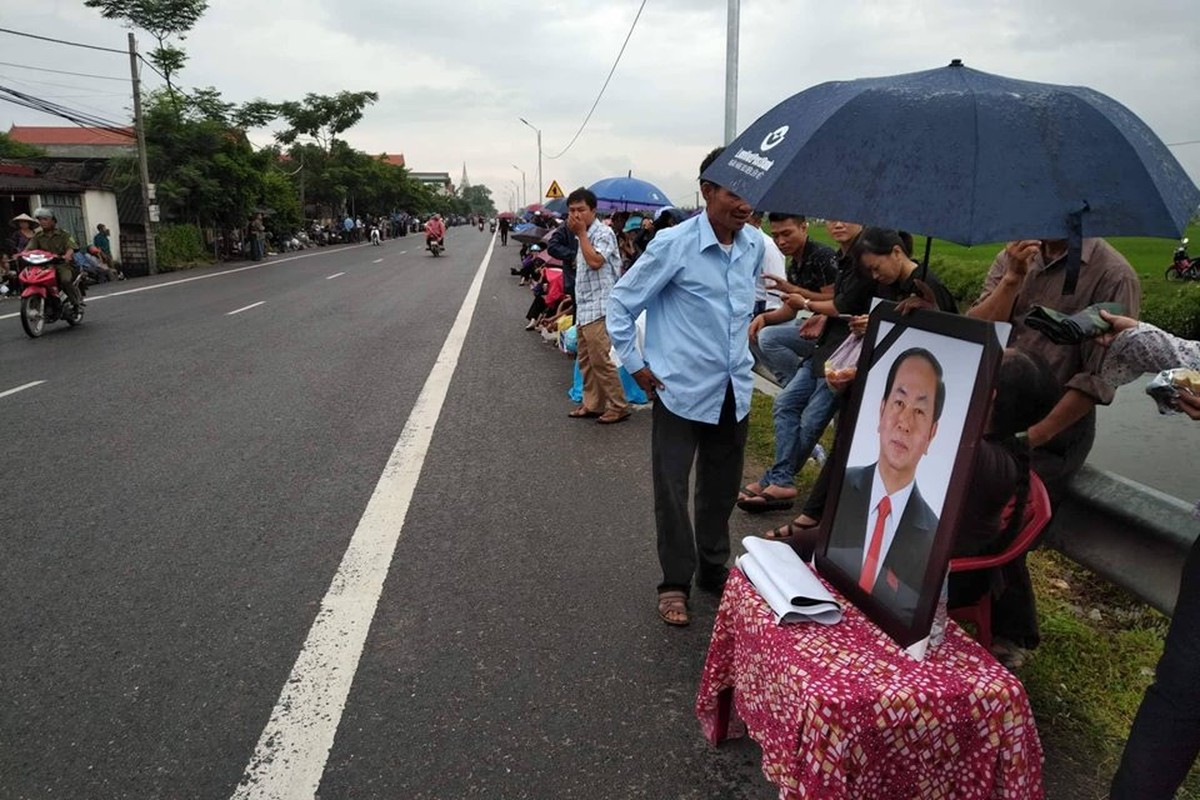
<point>101,206</point>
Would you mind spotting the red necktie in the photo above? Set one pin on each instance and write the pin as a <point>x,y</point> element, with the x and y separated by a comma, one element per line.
<point>867,579</point>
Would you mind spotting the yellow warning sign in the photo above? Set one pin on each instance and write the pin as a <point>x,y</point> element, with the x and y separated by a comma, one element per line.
<point>555,191</point>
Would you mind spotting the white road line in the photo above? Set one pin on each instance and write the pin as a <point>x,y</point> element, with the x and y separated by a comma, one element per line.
<point>377,261</point>
<point>335,275</point>
<point>403,252</point>
<point>21,388</point>
<point>290,757</point>
<point>246,308</point>
<point>94,298</point>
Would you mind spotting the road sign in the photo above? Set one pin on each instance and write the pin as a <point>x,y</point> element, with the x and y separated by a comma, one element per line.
<point>555,191</point>
<point>154,212</point>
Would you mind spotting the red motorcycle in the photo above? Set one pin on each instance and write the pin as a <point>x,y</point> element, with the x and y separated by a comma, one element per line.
<point>1183,267</point>
<point>42,300</point>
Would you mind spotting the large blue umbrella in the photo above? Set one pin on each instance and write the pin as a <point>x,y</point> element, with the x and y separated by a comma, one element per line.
<point>557,206</point>
<point>627,194</point>
<point>962,155</point>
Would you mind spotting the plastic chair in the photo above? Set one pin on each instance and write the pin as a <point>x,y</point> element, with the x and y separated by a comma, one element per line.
<point>1037,516</point>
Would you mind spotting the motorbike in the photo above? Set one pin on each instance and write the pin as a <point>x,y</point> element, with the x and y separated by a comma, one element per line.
<point>436,246</point>
<point>1183,268</point>
<point>42,301</point>
<point>492,226</point>
<point>375,240</point>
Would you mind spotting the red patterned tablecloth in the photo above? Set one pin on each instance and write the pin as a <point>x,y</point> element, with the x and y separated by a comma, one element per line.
<point>841,712</point>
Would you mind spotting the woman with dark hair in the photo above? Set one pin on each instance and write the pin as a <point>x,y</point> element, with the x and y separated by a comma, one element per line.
<point>886,256</point>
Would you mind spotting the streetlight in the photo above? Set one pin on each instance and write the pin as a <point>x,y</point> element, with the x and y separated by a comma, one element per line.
<point>539,140</point>
<point>524,192</point>
<point>517,191</point>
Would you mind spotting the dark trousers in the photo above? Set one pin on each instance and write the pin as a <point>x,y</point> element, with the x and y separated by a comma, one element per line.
<point>1014,612</point>
<point>504,236</point>
<point>1165,737</point>
<point>717,451</point>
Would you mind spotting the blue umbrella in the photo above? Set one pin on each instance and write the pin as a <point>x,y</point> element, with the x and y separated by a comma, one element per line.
<point>962,155</point>
<point>557,206</point>
<point>627,194</point>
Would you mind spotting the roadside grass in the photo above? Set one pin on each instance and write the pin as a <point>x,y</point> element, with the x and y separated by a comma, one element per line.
<point>1097,656</point>
<point>1173,306</point>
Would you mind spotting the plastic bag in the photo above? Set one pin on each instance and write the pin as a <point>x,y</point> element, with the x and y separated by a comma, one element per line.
<point>842,365</point>
<point>1167,385</point>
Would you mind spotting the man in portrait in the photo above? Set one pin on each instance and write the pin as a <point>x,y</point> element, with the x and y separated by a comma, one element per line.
<point>883,529</point>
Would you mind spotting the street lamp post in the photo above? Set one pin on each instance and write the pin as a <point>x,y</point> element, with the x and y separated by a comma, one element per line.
<point>541,186</point>
<point>524,190</point>
<point>731,69</point>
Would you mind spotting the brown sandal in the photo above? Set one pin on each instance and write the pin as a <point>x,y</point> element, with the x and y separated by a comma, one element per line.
<point>787,531</point>
<point>583,413</point>
<point>672,608</point>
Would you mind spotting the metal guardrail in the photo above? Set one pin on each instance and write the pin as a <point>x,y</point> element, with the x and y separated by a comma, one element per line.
<point>1126,532</point>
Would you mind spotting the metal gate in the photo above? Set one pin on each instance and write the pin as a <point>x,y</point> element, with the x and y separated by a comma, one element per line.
<point>69,210</point>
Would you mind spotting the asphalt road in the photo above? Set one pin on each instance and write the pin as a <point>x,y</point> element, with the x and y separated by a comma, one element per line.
<point>182,488</point>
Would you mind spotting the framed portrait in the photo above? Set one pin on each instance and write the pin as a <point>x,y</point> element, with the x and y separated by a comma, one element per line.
<point>902,465</point>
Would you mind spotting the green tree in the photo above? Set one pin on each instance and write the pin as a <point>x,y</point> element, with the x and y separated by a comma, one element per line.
<point>163,20</point>
<point>12,149</point>
<point>478,200</point>
<point>323,116</point>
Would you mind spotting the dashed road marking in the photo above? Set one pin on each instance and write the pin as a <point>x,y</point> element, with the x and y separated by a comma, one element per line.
<point>21,388</point>
<point>246,308</point>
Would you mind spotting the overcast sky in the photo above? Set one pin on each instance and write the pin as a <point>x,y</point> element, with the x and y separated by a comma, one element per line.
<point>454,75</point>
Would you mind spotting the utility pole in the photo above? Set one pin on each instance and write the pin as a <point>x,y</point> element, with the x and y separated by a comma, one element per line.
<point>140,129</point>
<point>731,71</point>
<point>538,131</point>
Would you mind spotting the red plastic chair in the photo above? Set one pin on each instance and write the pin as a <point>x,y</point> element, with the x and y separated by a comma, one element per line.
<point>1037,516</point>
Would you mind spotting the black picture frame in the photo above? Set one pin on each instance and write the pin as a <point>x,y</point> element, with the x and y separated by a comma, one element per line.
<point>906,621</point>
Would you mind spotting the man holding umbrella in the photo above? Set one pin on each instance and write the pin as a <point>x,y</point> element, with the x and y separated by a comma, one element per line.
<point>696,284</point>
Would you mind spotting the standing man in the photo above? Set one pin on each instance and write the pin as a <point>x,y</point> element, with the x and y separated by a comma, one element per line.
<point>565,247</point>
<point>103,242</point>
<point>1028,273</point>
<point>504,231</point>
<point>53,239</point>
<point>696,284</point>
<point>597,267</point>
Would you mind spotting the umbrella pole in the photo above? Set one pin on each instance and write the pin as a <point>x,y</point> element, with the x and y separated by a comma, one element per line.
<point>925,260</point>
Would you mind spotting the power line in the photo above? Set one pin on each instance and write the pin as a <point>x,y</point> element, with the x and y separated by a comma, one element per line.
<point>1181,144</point>
<point>80,118</point>
<point>605,86</point>
<point>63,72</point>
<point>63,41</point>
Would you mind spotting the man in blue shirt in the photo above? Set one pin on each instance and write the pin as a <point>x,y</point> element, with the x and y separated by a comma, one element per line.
<point>696,284</point>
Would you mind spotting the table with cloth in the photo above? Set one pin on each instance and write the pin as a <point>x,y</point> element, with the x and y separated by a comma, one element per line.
<point>841,711</point>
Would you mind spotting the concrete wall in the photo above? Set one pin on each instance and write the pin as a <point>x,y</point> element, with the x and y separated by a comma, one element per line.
<point>101,206</point>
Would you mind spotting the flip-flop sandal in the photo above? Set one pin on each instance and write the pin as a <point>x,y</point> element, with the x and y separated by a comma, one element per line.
<point>746,493</point>
<point>787,531</point>
<point>763,503</point>
<point>583,413</point>
<point>673,602</point>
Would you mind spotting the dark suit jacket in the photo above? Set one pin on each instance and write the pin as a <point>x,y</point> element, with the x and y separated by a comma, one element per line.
<point>898,585</point>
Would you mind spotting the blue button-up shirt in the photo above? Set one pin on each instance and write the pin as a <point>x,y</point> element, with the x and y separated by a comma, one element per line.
<point>698,300</point>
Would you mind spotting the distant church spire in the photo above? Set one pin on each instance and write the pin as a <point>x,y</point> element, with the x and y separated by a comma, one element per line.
<point>465,183</point>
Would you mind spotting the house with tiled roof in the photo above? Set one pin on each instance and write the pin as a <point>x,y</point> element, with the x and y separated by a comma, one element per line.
<point>71,141</point>
<point>78,191</point>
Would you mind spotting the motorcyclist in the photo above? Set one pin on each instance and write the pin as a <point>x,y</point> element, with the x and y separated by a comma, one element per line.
<point>435,229</point>
<point>52,239</point>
